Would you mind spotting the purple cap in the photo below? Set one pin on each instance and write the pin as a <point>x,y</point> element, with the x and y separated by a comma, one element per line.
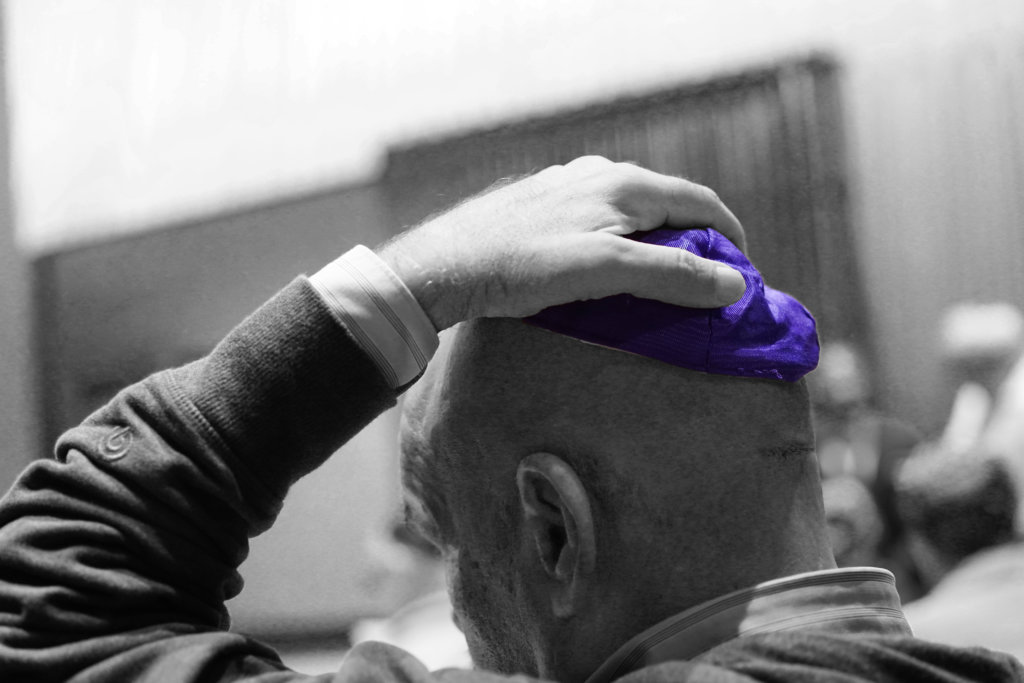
<point>766,334</point>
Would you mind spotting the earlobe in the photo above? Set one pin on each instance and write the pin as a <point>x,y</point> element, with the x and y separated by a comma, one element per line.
<point>558,521</point>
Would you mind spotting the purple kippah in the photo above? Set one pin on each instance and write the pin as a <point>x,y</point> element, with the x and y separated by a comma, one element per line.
<point>766,334</point>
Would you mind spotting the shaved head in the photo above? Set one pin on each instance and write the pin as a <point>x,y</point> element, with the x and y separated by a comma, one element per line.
<point>694,484</point>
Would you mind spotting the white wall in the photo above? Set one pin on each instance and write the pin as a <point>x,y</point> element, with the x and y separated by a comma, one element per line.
<point>938,158</point>
<point>128,114</point>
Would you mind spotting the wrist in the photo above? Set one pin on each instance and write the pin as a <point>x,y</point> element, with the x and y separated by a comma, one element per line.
<point>433,284</point>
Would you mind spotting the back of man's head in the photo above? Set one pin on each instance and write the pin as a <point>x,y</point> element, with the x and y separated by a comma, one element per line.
<point>590,493</point>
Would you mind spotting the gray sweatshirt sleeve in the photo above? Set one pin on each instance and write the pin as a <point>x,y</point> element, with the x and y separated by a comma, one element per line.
<point>117,556</point>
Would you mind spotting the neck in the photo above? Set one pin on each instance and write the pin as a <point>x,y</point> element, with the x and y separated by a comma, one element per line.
<point>642,597</point>
<point>765,526</point>
<point>722,546</point>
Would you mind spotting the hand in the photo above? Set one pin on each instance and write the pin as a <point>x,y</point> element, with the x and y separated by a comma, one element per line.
<point>555,237</point>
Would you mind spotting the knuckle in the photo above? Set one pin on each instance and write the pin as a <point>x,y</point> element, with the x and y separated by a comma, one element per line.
<point>620,181</point>
<point>551,173</point>
<point>627,170</point>
<point>700,271</point>
<point>709,195</point>
<point>587,164</point>
<point>684,261</point>
<point>589,159</point>
<point>630,220</point>
<point>613,249</point>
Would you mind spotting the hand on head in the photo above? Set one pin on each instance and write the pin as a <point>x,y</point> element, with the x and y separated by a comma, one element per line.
<point>555,237</point>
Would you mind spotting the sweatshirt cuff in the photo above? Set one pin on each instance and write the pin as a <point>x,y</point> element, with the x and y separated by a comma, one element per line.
<point>380,312</point>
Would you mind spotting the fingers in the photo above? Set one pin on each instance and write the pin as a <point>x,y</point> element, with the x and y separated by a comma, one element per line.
<point>689,205</point>
<point>607,265</point>
<point>655,200</point>
<point>679,277</point>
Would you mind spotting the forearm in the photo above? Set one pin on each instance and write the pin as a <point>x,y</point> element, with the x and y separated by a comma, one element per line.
<point>135,532</point>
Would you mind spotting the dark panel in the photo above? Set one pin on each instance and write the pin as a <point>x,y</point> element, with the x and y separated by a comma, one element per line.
<point>112,312</point>
<point>769,141</point>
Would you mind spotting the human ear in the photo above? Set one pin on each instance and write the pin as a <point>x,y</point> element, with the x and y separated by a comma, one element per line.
<point>558,521</point>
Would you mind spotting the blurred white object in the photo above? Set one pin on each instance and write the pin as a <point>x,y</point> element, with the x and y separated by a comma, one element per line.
<point>417,615</point>
<point>841,378</point>
<point>1004,434</point>
<point>972,329</point>
<point>978,603</point>
<point>424,628</point>
<point>971,408</point>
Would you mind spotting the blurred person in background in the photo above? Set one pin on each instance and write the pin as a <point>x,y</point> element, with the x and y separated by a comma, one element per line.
<point>982,345</point>
<point>854,523</point>
<point>959,508</point>
<point>856,441</point>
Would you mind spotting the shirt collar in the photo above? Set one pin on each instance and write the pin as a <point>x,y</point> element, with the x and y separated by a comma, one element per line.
<point>849,600</point>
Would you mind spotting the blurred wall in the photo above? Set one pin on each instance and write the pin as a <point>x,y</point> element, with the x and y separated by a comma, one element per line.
<point>117,311</point>
<point>937,165</point>
<point>273,98</point>
<point>18,406</point>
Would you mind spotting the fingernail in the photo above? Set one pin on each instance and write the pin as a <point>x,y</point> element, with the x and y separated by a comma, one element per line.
<point>729,284</point>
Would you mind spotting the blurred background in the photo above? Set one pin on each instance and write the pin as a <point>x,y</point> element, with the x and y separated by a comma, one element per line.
<point>169,164</point>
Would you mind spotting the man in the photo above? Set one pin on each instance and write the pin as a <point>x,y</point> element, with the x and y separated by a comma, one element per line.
<point>607,516</point>
<point>959,508</point>
<point>118,556</point>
